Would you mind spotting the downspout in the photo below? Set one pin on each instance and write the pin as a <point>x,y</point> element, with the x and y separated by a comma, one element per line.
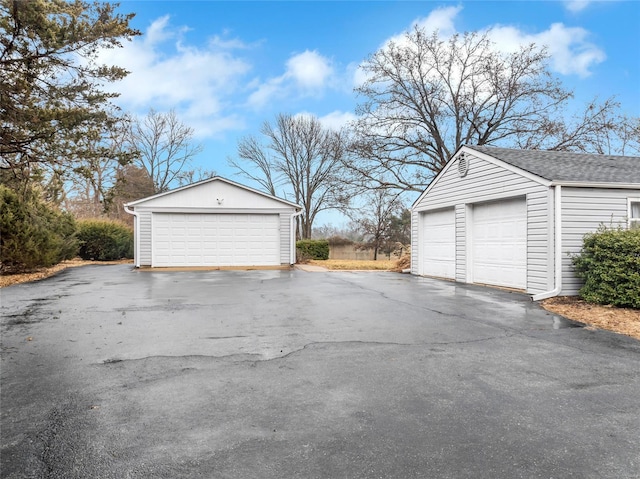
<point>136,246</point>
<point>292,250</point>
<point>558,247</point>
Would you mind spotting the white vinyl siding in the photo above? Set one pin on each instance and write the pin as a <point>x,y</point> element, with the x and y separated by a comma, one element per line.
<point>540,241</point>
<point>583,211</point>
<point>145,238</point>
<point>461,231</point>
<point>285,238</point>
<point>415,242</point>
<point>485,182</point>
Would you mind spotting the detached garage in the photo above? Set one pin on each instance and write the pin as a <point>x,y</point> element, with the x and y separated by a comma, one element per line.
<point>513,218</point>
<point>215,222</point>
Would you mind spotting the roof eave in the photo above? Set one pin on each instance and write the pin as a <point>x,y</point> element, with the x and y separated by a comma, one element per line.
<point>215,178</point>
<point>596,184</point>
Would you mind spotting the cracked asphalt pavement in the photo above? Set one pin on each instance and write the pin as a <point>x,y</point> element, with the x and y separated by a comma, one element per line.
<point>114,373</point>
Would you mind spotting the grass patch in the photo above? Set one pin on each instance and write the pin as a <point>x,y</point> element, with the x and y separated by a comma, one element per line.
<point>344,264</point>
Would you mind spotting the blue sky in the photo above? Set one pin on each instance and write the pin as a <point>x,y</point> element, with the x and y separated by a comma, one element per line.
<point>226,67</point>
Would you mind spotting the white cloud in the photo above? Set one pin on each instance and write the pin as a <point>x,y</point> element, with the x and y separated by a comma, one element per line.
<point>569,48</point>
<point>309,70</point>
<point>576,5</point>
<point>265,92</point>
<point>306,74</point>
<point>167,73</point>
<point>337,119</point>
<point>332,121</point>
<point>440,20</point>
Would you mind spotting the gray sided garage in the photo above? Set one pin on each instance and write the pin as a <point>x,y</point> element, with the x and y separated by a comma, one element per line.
<point>513,218</point>
<point>213,223</point>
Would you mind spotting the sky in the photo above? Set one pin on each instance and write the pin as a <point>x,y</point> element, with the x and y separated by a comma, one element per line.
<point>226,67</point>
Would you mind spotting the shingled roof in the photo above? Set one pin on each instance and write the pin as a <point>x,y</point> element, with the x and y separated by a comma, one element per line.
<point>568,166</point>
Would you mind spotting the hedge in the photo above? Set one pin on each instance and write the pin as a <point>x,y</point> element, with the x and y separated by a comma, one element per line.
<point>312,249</point>
<point>33,234</point>
<point>104,240</point>
<point>609,265</point>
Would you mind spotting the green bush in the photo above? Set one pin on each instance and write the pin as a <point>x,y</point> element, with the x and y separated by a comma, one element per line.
<point>33,234</point>
<point>104,240</point>
<point>313,249</point>
<point>609,265</point>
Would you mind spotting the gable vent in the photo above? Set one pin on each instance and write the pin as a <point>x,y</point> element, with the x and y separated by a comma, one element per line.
<point>463,165</point>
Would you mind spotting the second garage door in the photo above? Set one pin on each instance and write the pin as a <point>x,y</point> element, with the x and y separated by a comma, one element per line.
<point>215,240</point>
<point>500,243</point>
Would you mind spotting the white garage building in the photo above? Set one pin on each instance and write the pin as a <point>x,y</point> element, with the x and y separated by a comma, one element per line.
<point>513,218</point>
<point>215,222</point>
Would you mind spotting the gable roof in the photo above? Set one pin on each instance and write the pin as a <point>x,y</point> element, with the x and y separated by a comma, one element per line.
<point>209,180</point>
<point>566,166</point>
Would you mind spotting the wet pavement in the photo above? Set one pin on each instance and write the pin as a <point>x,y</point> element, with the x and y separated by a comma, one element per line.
<point>114,373</point>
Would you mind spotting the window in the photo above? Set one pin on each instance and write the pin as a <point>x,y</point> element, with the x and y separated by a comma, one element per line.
<point>634,213</point>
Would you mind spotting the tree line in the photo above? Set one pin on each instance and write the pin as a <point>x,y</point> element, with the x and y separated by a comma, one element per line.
<point>65,144</point>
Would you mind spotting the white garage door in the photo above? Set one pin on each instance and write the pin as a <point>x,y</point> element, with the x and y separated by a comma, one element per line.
<point>500,243</point>
<point>439,243</point>
<point>215,240</point>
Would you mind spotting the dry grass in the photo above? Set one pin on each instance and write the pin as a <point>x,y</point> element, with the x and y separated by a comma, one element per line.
<point>620,320</point>
<point>353,265</point>
<point>402,264</point>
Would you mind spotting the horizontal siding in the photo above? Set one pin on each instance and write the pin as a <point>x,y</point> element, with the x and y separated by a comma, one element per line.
<point>285,238</point>
<point>539,264</point>
<point>483,182</point>
<point>414,242</point>
<point>583,211</point>
<point>461,244</point>
<point>145,239</point>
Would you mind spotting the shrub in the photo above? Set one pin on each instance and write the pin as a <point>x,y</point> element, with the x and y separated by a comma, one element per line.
<point>104,240</point>
<point>609,264</point>
<point>312,249</point>
<point>33,234</point>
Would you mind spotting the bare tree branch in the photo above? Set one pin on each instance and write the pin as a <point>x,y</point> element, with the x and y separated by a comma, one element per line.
<point>302,158</point>
<point>165,146</point>
<point>424,97</point>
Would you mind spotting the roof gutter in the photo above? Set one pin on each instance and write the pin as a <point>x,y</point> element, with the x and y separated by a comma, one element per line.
<point>136,246</point>
<point>595,184</point>
<point>292,253</point>
<point>557,248</point>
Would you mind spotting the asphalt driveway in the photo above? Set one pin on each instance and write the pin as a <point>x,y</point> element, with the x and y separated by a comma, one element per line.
<point>114,373</point>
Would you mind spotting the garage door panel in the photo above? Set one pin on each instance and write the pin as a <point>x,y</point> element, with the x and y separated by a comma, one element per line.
<point>215,240</point>
<point>500,243</point>
<point>438,243</point>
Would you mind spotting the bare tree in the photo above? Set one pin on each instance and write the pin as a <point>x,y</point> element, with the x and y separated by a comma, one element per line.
<point>186,177</point>
<point>263,167</point>
<point>424,97</point>
<point>302,158</point>
<point>375,218</point>
<point>628,136</point>
<point>165,147</point>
